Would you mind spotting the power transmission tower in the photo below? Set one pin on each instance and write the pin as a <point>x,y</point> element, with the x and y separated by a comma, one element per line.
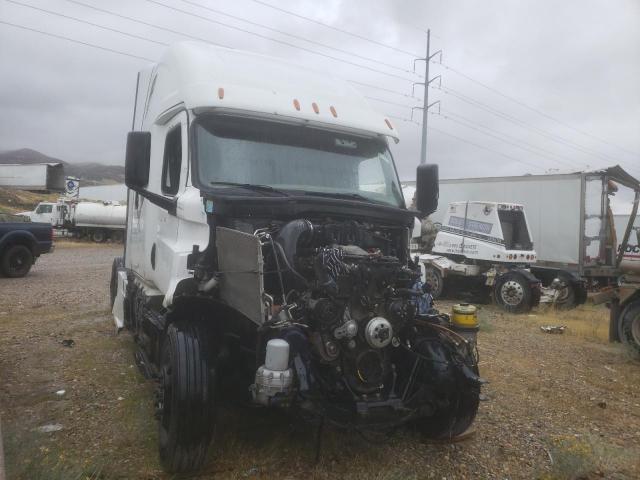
<point>426,105</point>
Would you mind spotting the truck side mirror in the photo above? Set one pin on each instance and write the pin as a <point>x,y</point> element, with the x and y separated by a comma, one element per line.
<point>136,164</point>
<point>427,190</point>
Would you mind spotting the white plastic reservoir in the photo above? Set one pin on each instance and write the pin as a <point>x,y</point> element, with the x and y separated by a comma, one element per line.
<point>277,357</point>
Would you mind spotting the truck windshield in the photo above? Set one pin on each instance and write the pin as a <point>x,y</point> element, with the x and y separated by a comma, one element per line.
<point>294,158</point>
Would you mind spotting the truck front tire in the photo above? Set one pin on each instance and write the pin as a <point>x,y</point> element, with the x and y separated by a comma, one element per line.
<point>98,236</point>
<point>186,397</point>
<point>433,278</point>
<point>629,325</point>
<point>513,293</point>
<point>17,261</point>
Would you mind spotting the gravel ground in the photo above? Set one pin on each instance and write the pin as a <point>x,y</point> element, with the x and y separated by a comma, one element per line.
<point>558,406</point>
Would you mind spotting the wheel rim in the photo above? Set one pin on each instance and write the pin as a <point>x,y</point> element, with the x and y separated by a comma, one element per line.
<point>512,292</point>
<point>18,262</point>
<point>431,278</point>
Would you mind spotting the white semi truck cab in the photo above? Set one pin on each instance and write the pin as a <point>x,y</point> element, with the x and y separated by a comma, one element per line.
<point>267,256</point>
<point>489,242</point>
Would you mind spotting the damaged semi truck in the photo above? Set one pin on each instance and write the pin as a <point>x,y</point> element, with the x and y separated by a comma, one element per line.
<point>267,257</point>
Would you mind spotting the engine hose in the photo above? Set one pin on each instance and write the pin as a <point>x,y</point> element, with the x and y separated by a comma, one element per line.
<point>289,267</point>
<point>275,255</point>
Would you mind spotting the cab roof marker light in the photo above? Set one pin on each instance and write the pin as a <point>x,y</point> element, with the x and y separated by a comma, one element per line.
<point>220,93</point>
<point>333,111</point>
<point>296,104</point>
<point>315,107</point>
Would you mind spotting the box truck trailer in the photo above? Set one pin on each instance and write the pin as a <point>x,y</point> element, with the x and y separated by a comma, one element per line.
<point>41,177</point>
<point>267,256</point>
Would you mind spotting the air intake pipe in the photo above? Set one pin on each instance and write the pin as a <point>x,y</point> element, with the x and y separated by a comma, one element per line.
<point>287,241</point>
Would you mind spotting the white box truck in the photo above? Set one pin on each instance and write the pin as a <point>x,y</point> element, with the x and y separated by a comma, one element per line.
<point>267,256</point>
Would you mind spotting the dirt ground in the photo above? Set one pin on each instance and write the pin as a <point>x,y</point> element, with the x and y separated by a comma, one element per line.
<point>558,406</point>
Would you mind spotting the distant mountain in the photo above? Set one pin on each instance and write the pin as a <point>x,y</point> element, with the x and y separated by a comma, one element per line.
<point>88,173</point>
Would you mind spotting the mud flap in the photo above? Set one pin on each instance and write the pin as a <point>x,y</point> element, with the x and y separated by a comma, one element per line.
<point>118,304</point>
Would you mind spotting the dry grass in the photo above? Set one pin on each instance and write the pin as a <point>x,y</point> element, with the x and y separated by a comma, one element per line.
<point>14,201</point>
<point>587,321</point>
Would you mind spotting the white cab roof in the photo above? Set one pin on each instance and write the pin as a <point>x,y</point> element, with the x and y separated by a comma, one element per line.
<point>200,76</point>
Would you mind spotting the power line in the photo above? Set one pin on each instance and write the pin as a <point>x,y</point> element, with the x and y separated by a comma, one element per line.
<point>141,22</point>
<point>382,89</point>
<point>533,109</point>
<point>332,27</point>
<point>485,148</point>
<point>522,123</point>
<point>407,120</point>
<point>68,39</point>
<point>298,37</point>
<point>508,142</point>
<point>131,35</point>
<point>175,32</point>
<point>282,42</point>
<point>559,158</point>
<point>388,101</point>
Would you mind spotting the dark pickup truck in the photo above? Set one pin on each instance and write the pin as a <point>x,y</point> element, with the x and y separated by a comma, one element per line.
<point>21,242</point>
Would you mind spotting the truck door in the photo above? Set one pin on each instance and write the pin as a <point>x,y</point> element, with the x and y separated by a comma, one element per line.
<point>167,177</point>
<point>43,213</point>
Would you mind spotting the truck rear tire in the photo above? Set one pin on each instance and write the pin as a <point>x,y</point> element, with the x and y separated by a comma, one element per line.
<point>629,325</point>
<point>513,293</point>
<point>434,279</point>
<point>17,261</point>
<point>567,298</point>
<point>98,236</point>
<point>186,400</point>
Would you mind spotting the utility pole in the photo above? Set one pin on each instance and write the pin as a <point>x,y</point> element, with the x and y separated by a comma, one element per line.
<point>426,105</point>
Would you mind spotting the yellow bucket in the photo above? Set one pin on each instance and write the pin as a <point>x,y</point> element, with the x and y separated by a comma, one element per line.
<point>465,316</point>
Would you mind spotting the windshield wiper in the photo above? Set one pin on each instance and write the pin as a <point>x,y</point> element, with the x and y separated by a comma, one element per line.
<point>354,196</point>
<point>253,187</point>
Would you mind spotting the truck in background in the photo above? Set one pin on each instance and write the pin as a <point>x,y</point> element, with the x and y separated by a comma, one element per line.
<point>98,221</point>
<point>484,247</point>
<point>571,223</point>
<point>21,243</point>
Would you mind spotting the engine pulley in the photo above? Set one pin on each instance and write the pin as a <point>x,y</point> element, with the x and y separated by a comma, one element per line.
<point>378,332</point>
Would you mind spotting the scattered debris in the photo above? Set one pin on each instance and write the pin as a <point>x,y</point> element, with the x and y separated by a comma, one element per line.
<point>553,328</point>
<point>52,427</point>
<point>61,392</point>
<point>120,399</point>
<point>68,342</point>
<point>602,404</point>
<point>253,471</point>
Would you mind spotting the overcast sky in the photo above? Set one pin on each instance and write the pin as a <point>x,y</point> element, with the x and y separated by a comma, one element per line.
<point>576,61</point>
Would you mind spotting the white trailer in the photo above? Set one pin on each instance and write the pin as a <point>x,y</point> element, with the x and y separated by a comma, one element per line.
<point>47,177</point>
